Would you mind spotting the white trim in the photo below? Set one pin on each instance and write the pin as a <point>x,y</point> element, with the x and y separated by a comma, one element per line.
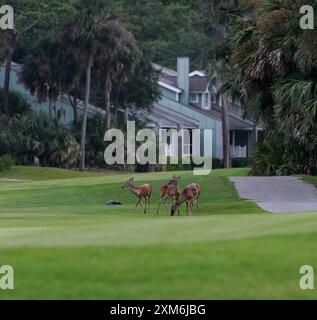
<point>197,73</point>
<point>167,86</point>
<point>208,105</point>
<point>167,71</point>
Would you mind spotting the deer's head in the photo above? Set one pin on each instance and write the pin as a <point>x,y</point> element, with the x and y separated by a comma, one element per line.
<point>128,183</point>
<point>174,180</point>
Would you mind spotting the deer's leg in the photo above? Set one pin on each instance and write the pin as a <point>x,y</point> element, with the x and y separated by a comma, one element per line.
<point>191,204</point>
<point>165,201</point>
<point>187,207</point>
<point>146,200</point>
<point>149,203</point>
<point>138,202</point>
<point>197,198</point>
<point>158,208</point>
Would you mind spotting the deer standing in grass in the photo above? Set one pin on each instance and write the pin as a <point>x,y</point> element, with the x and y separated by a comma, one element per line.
<point>169,191</point>
<point>190,194</point>
<point>141,192</point>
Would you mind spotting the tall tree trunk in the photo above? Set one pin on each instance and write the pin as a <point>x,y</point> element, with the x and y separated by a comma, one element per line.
<point>254,139</point>
<point>84,124</point>
<point>226,132</point>
<point>51,107</point>
<point>6,85</point>
<point>108,100</point>
<point>74,101</point>
<point>126,115</point>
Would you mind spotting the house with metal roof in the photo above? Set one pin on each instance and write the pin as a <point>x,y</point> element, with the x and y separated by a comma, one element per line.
<point>188,101</point>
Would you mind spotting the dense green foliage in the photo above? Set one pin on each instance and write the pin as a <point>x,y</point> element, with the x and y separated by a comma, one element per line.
<point>163,29</point>
<point>274,64</point>
<point>6,162</point>
<point>28,136</point>
<point>49,70</point>
<point>166,29</point>
<point>18,104</point>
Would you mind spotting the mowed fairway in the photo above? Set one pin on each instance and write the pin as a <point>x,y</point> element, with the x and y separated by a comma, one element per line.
<point>65,243</point>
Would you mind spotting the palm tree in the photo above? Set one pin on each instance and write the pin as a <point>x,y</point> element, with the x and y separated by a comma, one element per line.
<point>4,39</point>
<point>86,33</point>
<point>138,90</point>
<point>118,58</point>
<point>28,16</point>
<point>216,10</point>
<point>49,70</point>
<point>276,62</point>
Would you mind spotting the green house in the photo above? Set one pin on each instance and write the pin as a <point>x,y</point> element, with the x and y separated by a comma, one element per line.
<point>188,101</point>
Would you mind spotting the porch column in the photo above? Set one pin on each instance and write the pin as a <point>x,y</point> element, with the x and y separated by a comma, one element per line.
<point>180,142</point>
<point>254,139</point>
<point>234,138</point>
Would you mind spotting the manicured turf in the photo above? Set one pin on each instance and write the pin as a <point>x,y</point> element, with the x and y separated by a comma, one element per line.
<point>65,243</point>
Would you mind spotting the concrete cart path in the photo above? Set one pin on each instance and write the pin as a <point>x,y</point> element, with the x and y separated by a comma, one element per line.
<point>277,194</point>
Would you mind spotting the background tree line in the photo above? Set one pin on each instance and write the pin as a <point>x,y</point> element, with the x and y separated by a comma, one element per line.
<point>98,51</point>
<point>268,64</point>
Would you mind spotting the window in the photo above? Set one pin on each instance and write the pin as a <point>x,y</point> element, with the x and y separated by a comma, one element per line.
<point>194,98</point>
<point>213,98</point>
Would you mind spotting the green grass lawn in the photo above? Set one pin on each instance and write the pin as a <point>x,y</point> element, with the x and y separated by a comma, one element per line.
<point>65,243</point>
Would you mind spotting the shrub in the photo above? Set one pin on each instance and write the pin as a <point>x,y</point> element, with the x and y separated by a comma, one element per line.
<point>179,166</point>
<point>267,157</point>
<point>217,163</point>
<point>6,162</point>
<point>18,104</point>
<point>240,162</point>
<point>29,136</point>
<point>281,154</point>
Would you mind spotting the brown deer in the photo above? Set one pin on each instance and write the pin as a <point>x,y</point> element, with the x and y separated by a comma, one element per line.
<point>169,191</point>
<point>189,195</point>
<point>141,192</point>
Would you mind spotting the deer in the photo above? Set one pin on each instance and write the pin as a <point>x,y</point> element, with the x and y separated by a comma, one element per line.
<point>141,192</point>
<point>189,195</point>
<point>169,191</point>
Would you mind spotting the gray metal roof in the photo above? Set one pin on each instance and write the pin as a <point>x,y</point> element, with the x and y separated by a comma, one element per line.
<point>167,118</point>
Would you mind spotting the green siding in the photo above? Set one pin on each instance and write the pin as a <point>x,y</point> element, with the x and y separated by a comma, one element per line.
<point>168,93</point>
<point>205,122</point>
<point>68,116</point>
